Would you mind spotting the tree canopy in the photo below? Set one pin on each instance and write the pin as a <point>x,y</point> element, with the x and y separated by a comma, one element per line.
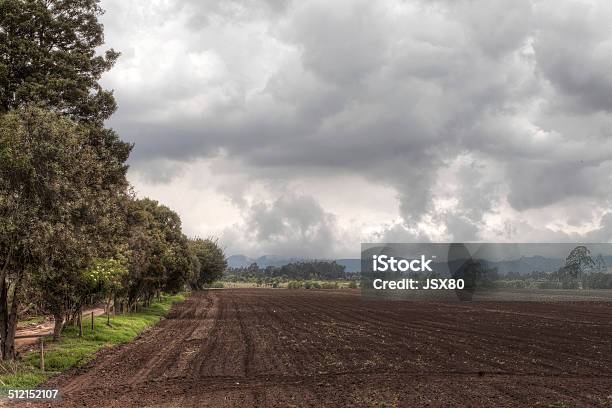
<point>48,57</point>
<point>72,232</point>
<point>211,261</point>
<point>61,188</point>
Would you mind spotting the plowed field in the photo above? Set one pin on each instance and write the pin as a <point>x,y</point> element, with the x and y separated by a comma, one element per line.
<point>275,347</point>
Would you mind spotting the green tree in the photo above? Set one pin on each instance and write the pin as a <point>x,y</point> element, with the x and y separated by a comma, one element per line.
<point>105,280</point>
<point>578,261</point>
<point>159,254</point>
<point>181,265</point>
<point>212,262</point>
<point>48,57</point>
<point>61,188</point>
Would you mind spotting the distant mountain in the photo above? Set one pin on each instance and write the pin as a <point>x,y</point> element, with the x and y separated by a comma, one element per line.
<point>275,260</point>
<point>238,261</point>
<point>527,264</point>
<point>242,261</point>
<point>350,265</point>
<point>522,265</point>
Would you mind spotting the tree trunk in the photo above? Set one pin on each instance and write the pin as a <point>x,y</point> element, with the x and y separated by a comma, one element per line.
<point>108,308</point>
<point>80,321</point>
<point>4,320</point>
<point>8,317</point>
<point>3,315</point>
<point>58,326</point>
<point>9,342</point>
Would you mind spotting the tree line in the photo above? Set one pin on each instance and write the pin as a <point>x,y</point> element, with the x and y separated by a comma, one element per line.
<point>580,271</point>
<point>72,231</point>
<point>305,270</point>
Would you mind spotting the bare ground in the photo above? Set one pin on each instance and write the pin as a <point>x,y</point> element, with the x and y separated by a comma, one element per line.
<point>44,329</point>
<point>277,348</point>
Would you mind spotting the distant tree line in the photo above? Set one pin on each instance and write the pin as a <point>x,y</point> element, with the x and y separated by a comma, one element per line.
<point>580,271</point>
<point>72,232</point>
<point>305,270</point>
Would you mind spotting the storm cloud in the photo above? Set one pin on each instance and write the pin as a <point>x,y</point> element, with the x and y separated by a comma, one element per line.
<point>307,127</point>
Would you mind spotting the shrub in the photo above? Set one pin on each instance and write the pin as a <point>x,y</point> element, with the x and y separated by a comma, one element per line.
<point>549,285</point>
<point>512,284</point>
<point>294,285</point>
<point>570,284</point>
<point>329,285</point>
<point>215,285</point>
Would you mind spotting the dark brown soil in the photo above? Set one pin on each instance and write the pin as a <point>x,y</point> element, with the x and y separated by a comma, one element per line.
<point>278,348</point>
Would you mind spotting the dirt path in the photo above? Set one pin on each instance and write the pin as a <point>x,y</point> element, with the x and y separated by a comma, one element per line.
<point>44,329</point>
<point>266,347</point>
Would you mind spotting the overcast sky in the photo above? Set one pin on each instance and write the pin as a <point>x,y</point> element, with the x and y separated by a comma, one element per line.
<point>302,128</point>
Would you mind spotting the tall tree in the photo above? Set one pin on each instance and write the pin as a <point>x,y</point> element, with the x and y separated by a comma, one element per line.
<point>48,57</point>
<point>211,260</point>
<point>578,261</point>
<point>158,251</point>
<point>62,185</point>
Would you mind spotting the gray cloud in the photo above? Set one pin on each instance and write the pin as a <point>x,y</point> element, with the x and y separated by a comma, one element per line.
<point>574,49</point>
<point>495,27</point>
<point>537,184</point>
<point>393,92</point>
<point>463,230</point>
<point>398,232</point>
<point>604,232</point>
<point>289,225</point>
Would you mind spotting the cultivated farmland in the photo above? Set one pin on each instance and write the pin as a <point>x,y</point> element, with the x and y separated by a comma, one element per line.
<point>275,347</point>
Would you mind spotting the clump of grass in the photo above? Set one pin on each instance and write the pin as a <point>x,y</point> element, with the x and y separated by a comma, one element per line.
<point>329,285</point>
<point>72,350</point>
<point>19,374</point>
<point>314,284</point>
<point>215,285</point>
<point>32,321</point>
<point>294,285</point>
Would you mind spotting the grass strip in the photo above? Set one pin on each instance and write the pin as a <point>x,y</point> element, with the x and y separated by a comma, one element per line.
<point>73,351</point>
